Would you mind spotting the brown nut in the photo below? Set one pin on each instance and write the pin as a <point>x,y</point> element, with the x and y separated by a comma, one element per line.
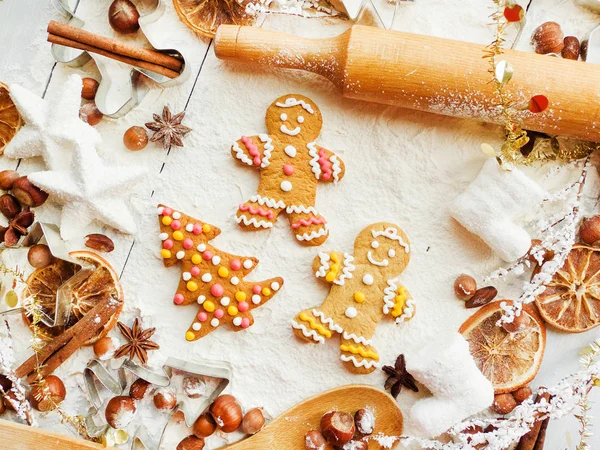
<point>482,297</point>
<point>39,256</point>
<point>7,178</point>
<point>504,403</point>
<point>338,427</point>
<point>5,383</point>
<point>522,394</point>
<point>465,286</point>
<point>99,242</point>
<point>123,16</point>
<point>314,440</point>
<point>27,193</point>
<point>589,231</point>
<point>227,413</point>
<point>519,323</point>
<point>253,421</point>
<point>193,387</point>
<point>548,38</point>
<point>191,443</point>
<point>356,445</point>
<point>9,206</point>
<point>364,420</point>
<point>165,400</point>
<point>572,48</point>
<point>48,394</point>
<point>90,87</point>
<point>547,255</point>
<point>139,388</point>
<point>204,426</point>
<point>120,411</point>
<point>105,348</point>
<point>135,138</point>
<point>90,113</point>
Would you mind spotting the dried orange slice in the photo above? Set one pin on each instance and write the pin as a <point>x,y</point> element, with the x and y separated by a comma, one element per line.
<point>508,360</point>
<point>103,282</point>
<point>571,301</point>
<point>205,16</point>
<point>10,119</point>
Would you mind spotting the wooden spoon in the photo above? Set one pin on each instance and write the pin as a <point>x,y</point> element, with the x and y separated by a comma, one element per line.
<point>287,431</point>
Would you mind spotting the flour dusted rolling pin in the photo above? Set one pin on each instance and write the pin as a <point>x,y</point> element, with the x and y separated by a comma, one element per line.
<point>429,74</point>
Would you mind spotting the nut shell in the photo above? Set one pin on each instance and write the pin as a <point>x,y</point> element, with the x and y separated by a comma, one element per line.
<point>7,178</point>
<point>9,206</point>
<point>47,395</point>
<point>99,242</point>
<point>135,138</point>
<point>123,16</point>
<point>253,421</point>
<point>465,286</point>
<point>90,87</point>
<point>504,403</point>
<point>314,440</point>
<point>482,297</point>
<point>191,443</point>
<point>164,400</point>
<point>589,232</point>
<point>572,48</point>
<point>139,388</point>
<point>90,113</point>
<point>27,193</point>
<point>519,323</point>
<point>548,38</point>
<point>105,348</point>
<point>364,420</point>
<point>522,394</point>
<point>227,413</point>
<point>120,411</point>
<point>39,256</point>
<point>204,426</point>
<point>338,427</point>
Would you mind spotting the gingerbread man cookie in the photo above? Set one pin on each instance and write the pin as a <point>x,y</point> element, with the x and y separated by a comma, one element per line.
<point>364,288</point>
<point>290,165</point>
<point>210,277</point>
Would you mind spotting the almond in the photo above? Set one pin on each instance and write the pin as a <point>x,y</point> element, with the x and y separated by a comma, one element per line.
<point>482,297</point>
<point>99,242</point>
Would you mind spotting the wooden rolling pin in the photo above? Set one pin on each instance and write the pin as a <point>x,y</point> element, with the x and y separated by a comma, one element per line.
<point>431,74</point>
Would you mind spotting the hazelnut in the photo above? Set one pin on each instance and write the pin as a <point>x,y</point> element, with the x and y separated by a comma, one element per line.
<point>522,394</point>
<point>120,411</point>
<point>9,206</point>
<point>135,138</point>
<point>105,348</point>
<point>27,193</point>
<point>504,403</point>
<point>39,256</point>
<point>253,421</point>
<point>572,48</point>
<point>99,242</point>
<point>204,426</point>
<point>123,16</point>
<point>193,387</point>
<point>227,413</point>
<point>165,400</point>
<point>364,420</point>
<point>548,38</point>
<point>5,383</point>
<point>535,248</point>
<point>482,297</point>
<point>314,440</point>
<point>90,87</point>
<point>48,394</point>
<point>337,427</point>
<point>178,417</point>
<point>356,445</point>
<point>7,178</point>
<point>191,443</point>
<point>139,389</point>
<point>90,113</point>
<point>519,323</point>
<point>465,286</point>
<point>589,231</point>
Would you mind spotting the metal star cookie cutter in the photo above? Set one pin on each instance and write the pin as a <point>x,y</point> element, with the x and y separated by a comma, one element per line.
<point>51,235</point>
<point>119,90</point>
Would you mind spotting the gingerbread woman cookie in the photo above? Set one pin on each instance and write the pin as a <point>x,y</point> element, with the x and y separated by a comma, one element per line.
<point>364,288</point>
<point>290,165</point>
<point>210,277</point>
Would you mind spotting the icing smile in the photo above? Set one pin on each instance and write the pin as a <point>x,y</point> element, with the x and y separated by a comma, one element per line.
<point>289,132</point>
<point>383,263</point>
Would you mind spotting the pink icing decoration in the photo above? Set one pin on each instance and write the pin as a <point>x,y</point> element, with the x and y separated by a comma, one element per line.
<point>252,149</point>
<point>236,264</point>
<point>325,164</point>
<point>217,290</point>
<point>167,211</point>
<point>219,313</point>
<point>243,306</point>
<point>310,221</point>
<point>176,224</point>
<point>168,244</point>
<point>245,322</point>
<point>178,299</point>
<point>261,212</point>
<point>207,255</point>
<point>202,316</point>
<point>256,289</point>
<point>288,169</point>
<point>197,229</point>
<point>188,243</point>
<point>195,271</point>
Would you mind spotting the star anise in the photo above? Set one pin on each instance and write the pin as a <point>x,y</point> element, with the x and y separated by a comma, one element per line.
<point>17,227</point>
<point>139,341</point>
<point>398,377</point>
<point>168,128</point>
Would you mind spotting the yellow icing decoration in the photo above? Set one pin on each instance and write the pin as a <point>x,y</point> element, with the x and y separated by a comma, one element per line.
<point>399,303</point>
<point>266,292</point>
<point>166,220</point>
<point>359,297</point>
<point>334,269</point>
<point>206,228</point>
<point>232,310</point>
<point>240,296</point>
<point>314,325</point>
<point>192,286</point>
<point>359,350</point>
<point>189,336</point>
<point>178,235</point>
<point>196,258</point>
<point>223,272</point>
<point>165,253</point>
<point>208,306</point>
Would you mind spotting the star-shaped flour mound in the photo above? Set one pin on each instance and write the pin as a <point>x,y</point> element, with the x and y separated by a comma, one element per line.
<point>90,191</point>
<point>52,124</point>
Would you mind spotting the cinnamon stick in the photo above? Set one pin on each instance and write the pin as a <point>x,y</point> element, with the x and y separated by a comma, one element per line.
<point>125,59</point>
<point>528,441</point>
<point>541,439</point>
<point>114,46</point>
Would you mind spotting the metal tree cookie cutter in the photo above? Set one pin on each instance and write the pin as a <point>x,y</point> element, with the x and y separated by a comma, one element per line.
<point>96,424</point>
<point>120,90</point>
<point>50,235</point>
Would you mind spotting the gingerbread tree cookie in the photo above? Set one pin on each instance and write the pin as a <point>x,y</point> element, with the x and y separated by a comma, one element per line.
<point>290,165</point>
<point>211,278</point>
<point>364,288</point>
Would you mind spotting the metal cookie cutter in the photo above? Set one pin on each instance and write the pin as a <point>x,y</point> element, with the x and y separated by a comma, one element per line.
<point>120,90</point>
<point>51,235</point>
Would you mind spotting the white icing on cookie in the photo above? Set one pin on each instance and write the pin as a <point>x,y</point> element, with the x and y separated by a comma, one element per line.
<point>300,119</point>
<point>286,186</point>
<point>314,162</point>
<point>253,221</point>
<point>291,101</point>
<point>368,279</point>
<point>336,166</point>
<point>283,116</point>
<point>391,233</point>
<point>357,339</point>
<point>301,209</point>
<point>248,263</point>
<point>327,321</point>
<point>351,312</point>
<point>271,203</point>
<point>312,334</point>
<point>289,132</point>
<point>268,149</point>
<point>347,269</point>
<point>407,312</point>
<point>324,267</point>
<point>241,155</point>
<point>389,295</point>
<point>309,237</point>
<point>290,150</point>
<point>366,363</point>
<point>383,263</point>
